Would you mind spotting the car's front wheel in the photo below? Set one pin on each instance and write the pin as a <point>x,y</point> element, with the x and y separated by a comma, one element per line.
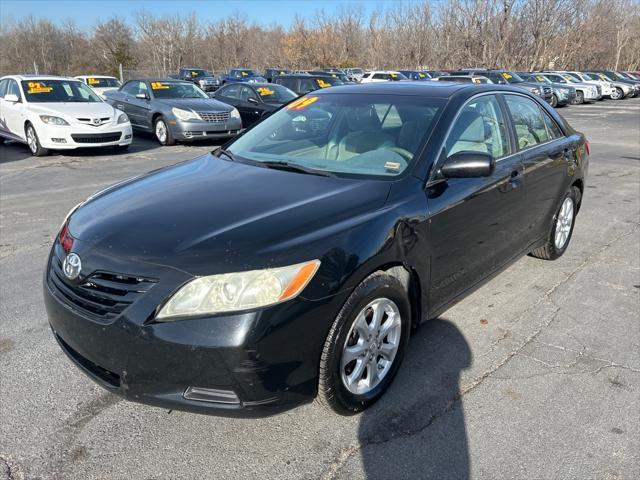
<point>163,134</point>
<point>617,94</point>
<point>34,142</point>
<point>561,228</point>
<point>554,101</point>
<point>365,345</point>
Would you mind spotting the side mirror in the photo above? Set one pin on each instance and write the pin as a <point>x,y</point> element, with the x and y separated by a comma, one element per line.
<point>143,96</point>
<point>468,165</point>
<point>252,100</point>
<point>11,97</point>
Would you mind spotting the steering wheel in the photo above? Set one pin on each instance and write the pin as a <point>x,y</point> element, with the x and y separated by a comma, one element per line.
<point>406,154</point>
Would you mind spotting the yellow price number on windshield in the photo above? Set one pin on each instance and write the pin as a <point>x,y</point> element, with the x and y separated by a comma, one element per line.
<point>394,75</point>
<point>38,87</point>
<point>159,86</point>
<point>421,75</point>
<point>301,103</point>
<point>93,81</point>
<point>245,74</point>
<point>194,74</point>
<point>540,78</point>
<point>322,83</point>
<point>506,75</point>
<point>265,91</point>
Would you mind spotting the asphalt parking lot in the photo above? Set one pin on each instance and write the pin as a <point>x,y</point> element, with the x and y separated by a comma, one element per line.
<point>536,375</point>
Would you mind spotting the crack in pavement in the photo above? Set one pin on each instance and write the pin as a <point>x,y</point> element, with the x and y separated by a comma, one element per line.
<point>9,470</point>
<point>345,454</point>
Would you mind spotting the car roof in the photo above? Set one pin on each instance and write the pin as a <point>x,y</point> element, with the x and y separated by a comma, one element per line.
<point>440,89</point>
<point>94,76</point>
<point>157,79</point>
<point>39,77</point>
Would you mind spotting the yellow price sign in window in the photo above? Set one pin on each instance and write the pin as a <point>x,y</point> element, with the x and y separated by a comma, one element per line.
<point>322,83</point>
<point>194,74</point>
<point>245,74</point>
<point>301,103</point>
<point>159,86</point>
<point>421,75</point>
<point>38,87</point>
<point>265,92</point>
<point>93,81</point>
<point>507,76</point>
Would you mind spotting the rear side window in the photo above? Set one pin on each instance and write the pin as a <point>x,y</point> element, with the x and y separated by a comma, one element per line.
<point>13,88</point>
<point>3,87</point>
<point>381,76</point>
<point>528,121</point>
<point>480,127</point>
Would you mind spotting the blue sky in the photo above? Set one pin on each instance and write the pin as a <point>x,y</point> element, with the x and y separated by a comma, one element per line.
<point>88,12</point>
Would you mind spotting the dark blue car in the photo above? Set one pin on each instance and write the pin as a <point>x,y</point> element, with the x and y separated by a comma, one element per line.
<point>242,75</point>
<point>416,75</point>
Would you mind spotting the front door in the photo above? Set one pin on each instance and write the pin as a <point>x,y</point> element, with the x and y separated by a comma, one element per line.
<point>476,223</point>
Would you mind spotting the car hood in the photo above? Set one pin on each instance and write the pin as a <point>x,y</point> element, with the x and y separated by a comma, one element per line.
<point>74,109</point>
<point>210,215</point>
<point>196,104</point>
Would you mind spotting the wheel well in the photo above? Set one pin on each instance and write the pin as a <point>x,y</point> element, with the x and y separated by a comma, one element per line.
<point>411,283</point>
<point>579,184</point>
<point>153,118</point>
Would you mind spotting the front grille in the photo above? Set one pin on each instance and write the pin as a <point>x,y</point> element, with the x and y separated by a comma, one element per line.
<point>547,91</point>
<point>101,296</point>
<point>214,117</point>
<point>89,121</point>
<point>96,137</point>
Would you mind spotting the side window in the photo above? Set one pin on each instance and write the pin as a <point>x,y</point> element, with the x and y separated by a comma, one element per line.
<point>232,91</point>
<point>381,76</point>
<point>246,93</point>
<point>3,87</point>
<point>552,127</point>
<point>527,120</point>
<point>307,85</point>
<point>142,88</point>
<point>131,88</point>
<point>480,127</point>
<point>13,88</point>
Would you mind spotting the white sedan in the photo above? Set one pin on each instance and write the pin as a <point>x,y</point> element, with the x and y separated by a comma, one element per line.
<point>382,76</point>
<point>47,112</point>
<point>100,83</point>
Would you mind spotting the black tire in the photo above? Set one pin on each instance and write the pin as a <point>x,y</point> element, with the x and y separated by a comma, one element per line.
<point>332,393</point>
<point>34,146</point>
<point>619,95</point>
<point>168,139</point>
<point>554,101</point>
<point>551,251</point>
<point>579,100</point>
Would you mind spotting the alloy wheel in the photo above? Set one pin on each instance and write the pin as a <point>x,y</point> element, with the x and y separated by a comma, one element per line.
<point>371,346</point>
<point>564,223</point>
<point>32,140</point>
<point>161,131</point>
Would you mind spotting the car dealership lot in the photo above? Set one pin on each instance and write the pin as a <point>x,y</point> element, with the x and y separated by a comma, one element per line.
<point>536,375</point>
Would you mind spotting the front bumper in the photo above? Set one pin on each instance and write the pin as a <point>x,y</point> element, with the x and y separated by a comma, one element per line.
<point>199,129</point>
<point>266,360</point>
<point>565,98</point>
<point>82,136</point>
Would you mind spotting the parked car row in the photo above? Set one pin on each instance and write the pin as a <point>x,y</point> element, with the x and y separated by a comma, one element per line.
<point>47,112</point>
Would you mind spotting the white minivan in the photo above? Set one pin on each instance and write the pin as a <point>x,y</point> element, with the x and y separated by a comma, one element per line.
<point>48,112</point>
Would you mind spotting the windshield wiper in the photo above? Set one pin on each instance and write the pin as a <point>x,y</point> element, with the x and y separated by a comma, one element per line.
<point>294,167</point>
<point>224,152</point>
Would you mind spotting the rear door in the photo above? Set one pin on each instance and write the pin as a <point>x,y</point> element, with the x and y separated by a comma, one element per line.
<point>476,223</point>
<point>13,114</point>
<point>548,157</point>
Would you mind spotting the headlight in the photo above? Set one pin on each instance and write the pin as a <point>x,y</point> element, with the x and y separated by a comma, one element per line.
<point>565,91</point>
<point>185,114</point>
<point>232,292</point>
<point>235,113</point>
<point>53,120</point>
<point>122,118</point>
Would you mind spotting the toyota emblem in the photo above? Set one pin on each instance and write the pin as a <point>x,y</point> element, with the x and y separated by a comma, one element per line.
<point>72,266</point>
<point>96,121</point>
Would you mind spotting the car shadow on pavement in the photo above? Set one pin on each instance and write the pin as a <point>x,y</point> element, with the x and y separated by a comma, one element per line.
<point>417,430</point>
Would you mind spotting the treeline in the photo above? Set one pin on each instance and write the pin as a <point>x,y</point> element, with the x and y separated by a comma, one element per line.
<point>517,34</point>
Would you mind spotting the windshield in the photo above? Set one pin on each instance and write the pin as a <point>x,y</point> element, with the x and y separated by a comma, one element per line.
<point>586,76</point>
<point>199,73</point>
<point>362,135</point>
<point>102,82</point>
<point>58,91</point>
<point>511,77</point>
<point>328,81</point>
<point>176,90</point>
<point>275,94</point>
<point>396,76</point>
<point>246,73</point>
<point>571,77</point>
<point>539,79</point>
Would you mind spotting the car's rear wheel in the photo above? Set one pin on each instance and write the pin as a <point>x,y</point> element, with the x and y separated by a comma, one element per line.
<point>561,228</point>
<point>365,346</point>
<point>33,142</point>
<point>163,134</point>
<point>579,100</point>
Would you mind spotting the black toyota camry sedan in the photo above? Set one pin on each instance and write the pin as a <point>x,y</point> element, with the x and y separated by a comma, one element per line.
<point>293,263</point>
